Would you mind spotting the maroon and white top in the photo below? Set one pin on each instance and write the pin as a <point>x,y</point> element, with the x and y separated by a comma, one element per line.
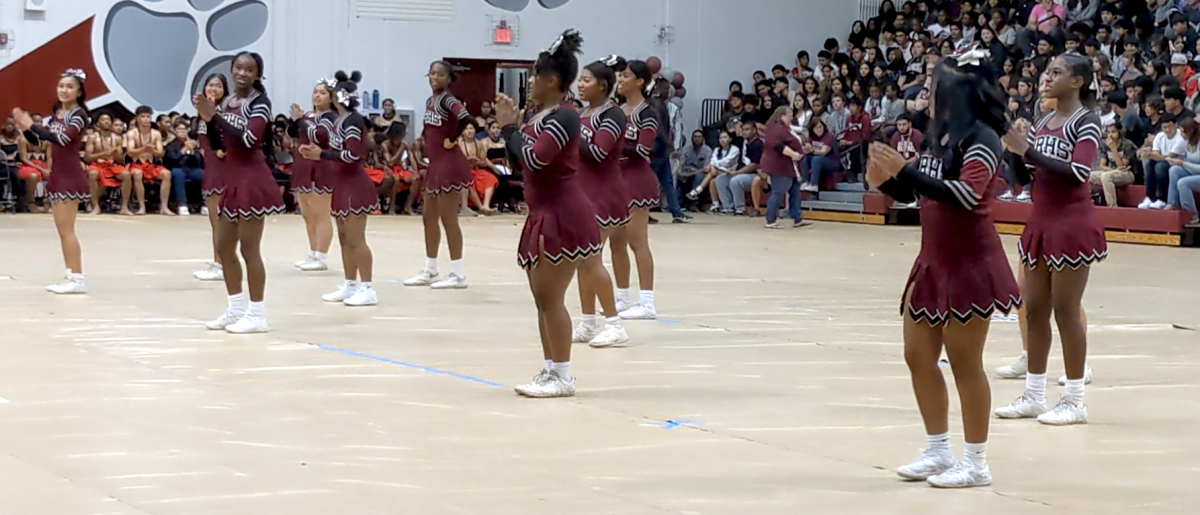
<point>445,118</point>
<point>250,189</point>
<point>601,135</point>
<point>68,180</point>
<point>640,134</point>
<point>353,191</point>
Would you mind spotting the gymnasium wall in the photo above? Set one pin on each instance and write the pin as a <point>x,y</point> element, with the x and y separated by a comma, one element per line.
<point>154,51</point>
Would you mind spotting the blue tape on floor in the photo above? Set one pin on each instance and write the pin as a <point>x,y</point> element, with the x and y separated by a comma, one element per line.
<point>413,366</point>
<point>666,321</point>
<point>672,424</point>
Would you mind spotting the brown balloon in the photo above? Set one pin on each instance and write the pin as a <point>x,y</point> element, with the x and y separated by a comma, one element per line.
<point>655,65</point>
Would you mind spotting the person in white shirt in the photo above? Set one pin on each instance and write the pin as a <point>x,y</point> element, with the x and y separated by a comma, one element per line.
<point>724,160</point>
<point>1167,144</point>
<point>941,28</point>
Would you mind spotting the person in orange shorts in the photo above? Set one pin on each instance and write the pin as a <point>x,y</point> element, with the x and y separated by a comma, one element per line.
<point>35,165</point>
<point>144,144</point>
<point>103,152</point>
<point>402,163</point>
<point>373,165</point>
<point>485,181</point>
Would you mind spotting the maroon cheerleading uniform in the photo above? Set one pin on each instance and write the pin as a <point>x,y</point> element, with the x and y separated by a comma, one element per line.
<point>250,189</point>
<point>353,191</point>
<point>1064,229</point>
<point>213,182</point>
<point>962,271</point>
<point>310,176</point>
<point>561,220</point>
<point>635,160</point>
<point>68,180</point>
<point>445,118</point>
<point>600,165</point>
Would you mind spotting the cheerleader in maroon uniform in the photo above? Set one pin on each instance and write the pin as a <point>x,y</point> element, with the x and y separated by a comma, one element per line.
<point>239,127</point>
<point>448,175</point>
<point>68,184</point>
<point>354,194</point>
<point>602,128</point>
<point>1063,237</point>
<point>216,88</point>
<point>961,275</point>
<point>561,229</point>
<point>312,181</point>
<point>633,84</point>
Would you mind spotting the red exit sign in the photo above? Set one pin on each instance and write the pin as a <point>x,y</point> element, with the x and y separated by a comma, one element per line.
<point>502,34</point>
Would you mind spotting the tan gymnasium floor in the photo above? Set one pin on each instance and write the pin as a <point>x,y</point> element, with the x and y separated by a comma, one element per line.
<point>773,384</point>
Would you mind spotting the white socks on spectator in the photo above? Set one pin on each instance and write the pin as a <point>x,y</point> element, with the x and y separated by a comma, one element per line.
<point>431,265</point>
<point>1075,391</point>
<point>456,268</point>
<point>977,453</point>
<point>237,303</point>
<point>939,444</point>
<point>563,369</point>
<point>257,309</point>
<point>1035,385</point>
<point>647,298</point>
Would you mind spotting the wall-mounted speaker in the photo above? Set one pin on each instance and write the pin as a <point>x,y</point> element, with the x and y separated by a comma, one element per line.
<point>36,5</point>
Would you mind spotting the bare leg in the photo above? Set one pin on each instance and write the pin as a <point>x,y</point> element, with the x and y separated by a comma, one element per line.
<point>448,212</point>
<point>64,221</point>
<point>164,194</point>
<point>430,215</point>
<point>212,203</point>
<point>1038,306</point>
<point>1067,287</point>
<point>250,232</point>
<point>94,184</point>
<point>139,190</point>
<point>321,205</point>
<point>549,284</point>
<point>964,347</point>
<point>620,256</point>
<point>639,242</point>
<point>922,349</point>
<point>227,244</point>
<point>126,189</point>
<point>347,247</point>
<point>355,229</point>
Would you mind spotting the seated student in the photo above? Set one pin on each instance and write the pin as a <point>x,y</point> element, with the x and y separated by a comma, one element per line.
<point>1167,144</point>
<point>1185,166</point>
<point>397,158</point>
<point>723,160</point>
<point>166,128</point>
<point>104,153</point>
<point>733,186</point>
<point>35,159</point>
<point>1116,163</point>
<point>143,144</point>
<point>821,155</point>
<point>377,168</point>
<point>183,158</point>
<point>13,143</point>
<point>510,191</point>
<point>693,160</point>
<point>485,182</point>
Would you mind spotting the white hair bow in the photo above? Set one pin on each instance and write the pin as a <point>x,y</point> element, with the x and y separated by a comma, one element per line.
<point>344,97</point>
<point>329,83</point>
<point>75,72</point>
<point>554,46</point>
<point>971,56</point>
<point>611,60</point>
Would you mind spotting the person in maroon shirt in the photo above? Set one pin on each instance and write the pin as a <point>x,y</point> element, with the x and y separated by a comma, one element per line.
<point>781,151</point>
<point>68,185</point>
<point>857,134</point>
<point>907,140</point>
<point>561,233</point>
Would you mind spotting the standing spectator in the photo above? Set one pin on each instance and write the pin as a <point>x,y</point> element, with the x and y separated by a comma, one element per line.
<point>857,134</point>
<point>1168,143</point>
<point>779,152</point>
<point>1185,166</point>
<point>1116,164</point>
<point>693,159</point>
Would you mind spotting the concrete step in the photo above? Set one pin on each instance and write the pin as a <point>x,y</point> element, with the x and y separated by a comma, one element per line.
<point>841,196</point>
<point>851,186</point>
<point>849,207</point>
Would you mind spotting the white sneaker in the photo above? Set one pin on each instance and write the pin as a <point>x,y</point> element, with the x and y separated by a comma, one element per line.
<point>451,282</point>
<point>305,261</point>
<point>362,297</point>
<point>225,320</point>
<point>345,291</point>
<point>639,312</point>
<point>553,386</point>
<point>314,265</point>
<point>1158,204</point>
<point>69,286</point>
<point>1087,376</point>
<point>1007,196</point>
<point>810,187</point>
<point>1065,413</point>
<point>927,465</point>
<point>183,211</point>
<point>1016,370</point>
<point>214,272</point>
<point>584,332</point>
<point>1145,204</point>
<point>1024,196</point>
<point>204,210</point>
<point>538,379</point>
<point>609,336</point>
<point>247,325</point>
<point>1024,407</point>
<point>623,305</point>
<point>425,278</point>
<point>964,474</point>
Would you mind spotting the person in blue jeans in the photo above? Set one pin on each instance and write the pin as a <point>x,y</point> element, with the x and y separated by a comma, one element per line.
<point>182,157</point>
<point>781,150</point>
<point>821,154</point>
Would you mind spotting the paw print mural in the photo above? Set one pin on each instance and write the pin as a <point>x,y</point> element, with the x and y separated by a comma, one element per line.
<point>520,5</point>
<point>157,52</point>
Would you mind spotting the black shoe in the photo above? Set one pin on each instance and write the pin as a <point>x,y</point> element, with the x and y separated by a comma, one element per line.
<point>653,220</point>
<point>682,220</point>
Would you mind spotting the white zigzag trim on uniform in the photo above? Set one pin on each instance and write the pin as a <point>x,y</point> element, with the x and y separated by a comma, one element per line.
<point>609,223</point>
<point>313,189</point>
<point>253,213</point>
<point>1058,263</point>
<point>346,213</point>
<point>448,189</point>
<point>211,191</point>
<point>936,318</point>
<point>640,203</point>
<point>70,197</point>
<point>529,261</point>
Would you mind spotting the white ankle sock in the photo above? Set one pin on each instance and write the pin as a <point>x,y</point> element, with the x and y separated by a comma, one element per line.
<point>977,453</point>
<point>938,443</point>
<point>456,267</point>
<point>320,256</point>
<point>257,309</point>
<point>549,365</point>
<point>237,303</point>
<point>613,321</point>
<point>622,294</point>
<point>431,264</point>
<point>351,284</point>
<point>1075,390</point>
<point>1035,384</point>
<point>589,320</point>
<point>646,298</point>
<point>563,369</point>
<point>364,286</point>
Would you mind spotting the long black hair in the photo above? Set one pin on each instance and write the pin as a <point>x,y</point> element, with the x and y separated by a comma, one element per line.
<point>606,70</point>
<point>965,95</point>
<point>641,70</point>
<point>1081,67</point>
<point>561,59</point>
<point>449,69</point>
<point>81,100</point>
<point>268,136</point>
<point>224,83</point>
<point>349,85</point>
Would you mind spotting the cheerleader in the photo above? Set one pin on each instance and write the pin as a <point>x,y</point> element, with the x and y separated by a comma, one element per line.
<point>961,275</point>
<point>561,228</point>
<point>1063,237</point>
<point>448,176</point>
<point>633,83</point>
<point>239,126</point>
<point>216,88</point>
<point>312,180</point>
<point>354,194</point>
<point>68,184</point>
<point>602,127</point>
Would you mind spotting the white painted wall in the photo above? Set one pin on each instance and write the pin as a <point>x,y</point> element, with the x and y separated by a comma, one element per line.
<point>715,41</point>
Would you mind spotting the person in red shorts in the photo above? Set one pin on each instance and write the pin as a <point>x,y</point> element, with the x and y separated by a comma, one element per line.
<point>35,165</point>
<point>104,150</point>
<point>144,144</point>
<point>398,157</point>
